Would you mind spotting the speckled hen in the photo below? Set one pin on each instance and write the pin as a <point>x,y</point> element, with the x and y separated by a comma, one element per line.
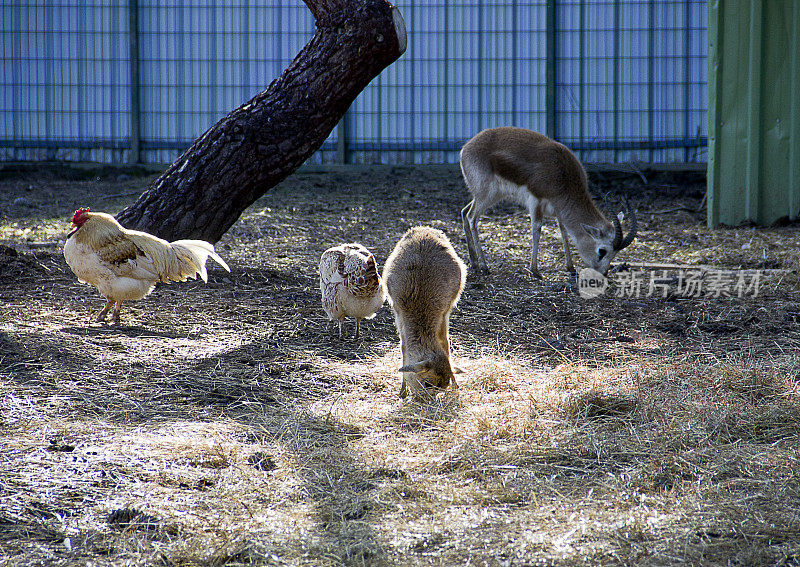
<point>350,284</point>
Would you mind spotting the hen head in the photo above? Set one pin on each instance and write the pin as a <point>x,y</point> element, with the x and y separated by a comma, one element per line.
<point>80,217</point>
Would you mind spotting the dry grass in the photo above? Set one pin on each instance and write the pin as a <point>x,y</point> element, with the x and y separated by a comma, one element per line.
<point>227,424</point>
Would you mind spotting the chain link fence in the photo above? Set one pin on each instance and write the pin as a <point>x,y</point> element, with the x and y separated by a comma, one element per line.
<point>138,81</point>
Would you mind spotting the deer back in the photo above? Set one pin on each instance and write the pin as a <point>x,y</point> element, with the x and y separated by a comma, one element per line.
<point>548,169</point>
<point>424,276</point>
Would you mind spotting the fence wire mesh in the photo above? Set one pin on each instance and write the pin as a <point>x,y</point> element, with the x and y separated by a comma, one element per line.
<point>616,80</point>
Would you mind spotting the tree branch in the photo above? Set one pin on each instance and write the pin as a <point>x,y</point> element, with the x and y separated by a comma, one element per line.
<point>263,141</point>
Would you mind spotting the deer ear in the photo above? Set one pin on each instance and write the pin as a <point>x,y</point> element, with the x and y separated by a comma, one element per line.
<point>592,231</point>
<point>416,366</point>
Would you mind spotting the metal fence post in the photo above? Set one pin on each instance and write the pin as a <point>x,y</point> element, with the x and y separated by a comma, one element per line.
<point>651,79</point>
<point>550,69</point>
<point>133,34</point>
<point>514,60</point>
<point>687,87</point>
<point>342,153</point>
<point>794,119</point>
<point>481,55</point>
<point>616,79</point>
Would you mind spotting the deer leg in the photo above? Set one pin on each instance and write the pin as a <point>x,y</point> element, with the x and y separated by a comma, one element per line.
<point>471,234</point>
<point>475,211</point>
<point>567,253</point>
<point>444,344</point>
<point>536,231</point>
<point>403,388</point>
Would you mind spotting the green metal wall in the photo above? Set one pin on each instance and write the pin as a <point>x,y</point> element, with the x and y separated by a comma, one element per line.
<point>753,111</point>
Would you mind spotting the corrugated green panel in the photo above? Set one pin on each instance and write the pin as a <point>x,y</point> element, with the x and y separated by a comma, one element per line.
<point>776,117</point>
<point>754,121</point>
<point>793,198</point>
<point>715,32</point>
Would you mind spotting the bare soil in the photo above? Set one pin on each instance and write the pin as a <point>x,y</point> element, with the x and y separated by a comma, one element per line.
<point>228,424</point>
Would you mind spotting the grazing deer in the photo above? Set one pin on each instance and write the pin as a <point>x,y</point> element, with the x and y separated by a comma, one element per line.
<point>530,169</point>
<point>424,278</point>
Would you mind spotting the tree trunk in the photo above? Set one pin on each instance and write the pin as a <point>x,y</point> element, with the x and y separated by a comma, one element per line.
<point>263,141</point>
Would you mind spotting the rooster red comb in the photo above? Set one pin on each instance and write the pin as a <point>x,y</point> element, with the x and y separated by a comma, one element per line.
<point>79,214</point>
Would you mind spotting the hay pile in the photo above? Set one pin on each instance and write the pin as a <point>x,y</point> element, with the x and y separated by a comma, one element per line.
<point>227,423</point>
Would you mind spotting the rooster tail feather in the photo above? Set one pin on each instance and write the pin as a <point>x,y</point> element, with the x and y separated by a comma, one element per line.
<point>192,256</point>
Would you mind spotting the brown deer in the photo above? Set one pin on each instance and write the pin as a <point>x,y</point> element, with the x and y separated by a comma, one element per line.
<point>424,278</point>
<point>530,169</point>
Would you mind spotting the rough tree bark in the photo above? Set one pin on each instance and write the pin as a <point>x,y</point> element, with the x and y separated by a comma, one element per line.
<point>263,141</point>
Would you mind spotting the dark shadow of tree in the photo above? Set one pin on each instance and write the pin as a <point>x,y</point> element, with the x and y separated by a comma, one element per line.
<point>257,386</point>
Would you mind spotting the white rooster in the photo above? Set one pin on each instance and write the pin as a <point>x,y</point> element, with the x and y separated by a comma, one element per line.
<point>126,264</point>
<point>350,284</point>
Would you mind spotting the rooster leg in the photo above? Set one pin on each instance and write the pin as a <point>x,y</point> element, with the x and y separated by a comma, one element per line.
<point>357,326</point>
<point>115,314</point>
<point>340,327</point>
<point>101,315</point>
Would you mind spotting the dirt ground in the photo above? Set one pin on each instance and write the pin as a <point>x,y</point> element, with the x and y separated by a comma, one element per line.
<point>228,424</point>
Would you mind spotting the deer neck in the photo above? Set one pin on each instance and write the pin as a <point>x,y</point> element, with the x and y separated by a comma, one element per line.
<point>576,210</point>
